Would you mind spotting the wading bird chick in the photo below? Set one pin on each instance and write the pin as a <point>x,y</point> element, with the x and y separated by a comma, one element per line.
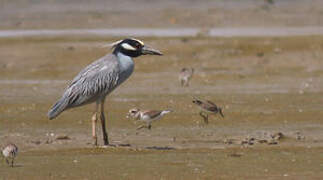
<point>96,81</point>
<point>9,153</point>
<point>147,116</point>
<point>185,76</point>
<point>207,108</point>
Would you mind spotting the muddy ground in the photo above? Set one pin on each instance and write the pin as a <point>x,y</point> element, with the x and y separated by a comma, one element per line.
<point>270,90</point>
<point>265,86</point>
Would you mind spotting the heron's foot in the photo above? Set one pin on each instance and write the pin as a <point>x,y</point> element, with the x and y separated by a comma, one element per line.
<point>106,143</point>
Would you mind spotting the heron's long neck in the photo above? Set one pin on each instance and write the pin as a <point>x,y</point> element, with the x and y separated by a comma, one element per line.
<point>126,62</point>
<point>126,66</point>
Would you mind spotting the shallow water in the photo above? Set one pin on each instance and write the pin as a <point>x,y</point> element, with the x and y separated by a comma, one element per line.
<point>174,32</point>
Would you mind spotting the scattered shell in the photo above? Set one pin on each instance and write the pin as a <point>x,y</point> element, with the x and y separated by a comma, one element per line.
<point>277,136</point>
<point>299,136</point>
<point>272,142</point>
<point>261,141</point>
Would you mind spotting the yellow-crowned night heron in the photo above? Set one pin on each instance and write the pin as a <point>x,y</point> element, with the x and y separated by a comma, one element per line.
<point>99,79</point>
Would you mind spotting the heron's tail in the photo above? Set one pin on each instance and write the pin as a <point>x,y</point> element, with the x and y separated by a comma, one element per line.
<point>58,108</point>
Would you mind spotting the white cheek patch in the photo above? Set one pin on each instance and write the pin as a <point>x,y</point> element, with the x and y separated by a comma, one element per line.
<point>128,47</point>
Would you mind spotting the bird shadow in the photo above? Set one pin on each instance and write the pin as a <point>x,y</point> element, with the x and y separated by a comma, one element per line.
<point>160,148</point>
<point>15,166</point>
<point>115,145</point>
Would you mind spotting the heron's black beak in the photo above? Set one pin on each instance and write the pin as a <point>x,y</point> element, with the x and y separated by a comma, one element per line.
<point>150,51</point>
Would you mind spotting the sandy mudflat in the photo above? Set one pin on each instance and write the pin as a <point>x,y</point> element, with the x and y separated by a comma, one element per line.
<point>266,85</point>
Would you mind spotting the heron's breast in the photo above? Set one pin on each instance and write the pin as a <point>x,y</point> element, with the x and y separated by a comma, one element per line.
<point>126,68</point>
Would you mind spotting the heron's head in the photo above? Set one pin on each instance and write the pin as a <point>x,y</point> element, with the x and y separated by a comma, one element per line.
<point>133,48</point>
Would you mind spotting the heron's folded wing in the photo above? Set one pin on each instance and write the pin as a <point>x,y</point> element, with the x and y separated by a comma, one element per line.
<point>97,79</point>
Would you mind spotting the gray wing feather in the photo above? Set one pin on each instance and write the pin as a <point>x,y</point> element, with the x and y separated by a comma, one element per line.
<point>95,81</point>
<point>98,79</point>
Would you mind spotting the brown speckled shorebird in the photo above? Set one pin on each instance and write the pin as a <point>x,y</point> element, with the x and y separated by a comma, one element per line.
<point>9,153</point>
<point>207,107</point>
<point>147,116</point>
<point>185,76</point>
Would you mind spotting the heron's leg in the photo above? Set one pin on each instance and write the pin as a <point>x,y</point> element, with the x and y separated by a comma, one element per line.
<point>94,120</point>
<point>7,161</point>
<point>104,131</point>
<point>149,126</point>
<point>12,162</point>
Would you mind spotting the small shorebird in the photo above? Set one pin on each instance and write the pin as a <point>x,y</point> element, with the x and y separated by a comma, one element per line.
<point>147,116</point>
<point>185,76</point>
<point>96,81</point>
<point>9,153</point>
<point>207,107</point>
